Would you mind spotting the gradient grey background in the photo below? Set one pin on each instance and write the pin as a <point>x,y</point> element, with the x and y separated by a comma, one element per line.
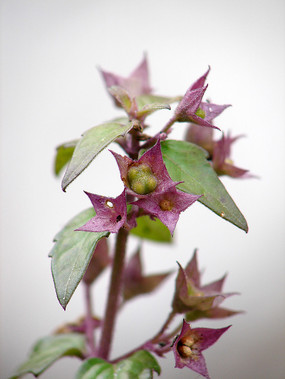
<point>51,91</point>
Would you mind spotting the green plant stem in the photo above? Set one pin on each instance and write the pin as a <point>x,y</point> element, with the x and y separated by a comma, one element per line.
<point>113,295</point>
<point>89,331</point>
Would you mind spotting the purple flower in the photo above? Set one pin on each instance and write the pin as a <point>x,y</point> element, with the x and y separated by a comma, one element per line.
<point>203,137</point>
<point>137,83</point>
<point>111,213</point>
<point>222,162</point>
<point>191,296</point>
<point>191,108</point>
<point>146,175</point>
<point>189,345</point>
<point>167,205</point>
<point>219,150</point>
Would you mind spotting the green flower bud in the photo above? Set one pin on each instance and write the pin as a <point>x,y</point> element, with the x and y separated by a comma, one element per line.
<point>141,179</point>
<point>200,113</point>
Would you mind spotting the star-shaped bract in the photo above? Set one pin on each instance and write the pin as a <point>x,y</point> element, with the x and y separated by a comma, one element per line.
<point>137,83</point>
<point>222,162</point>
<point>146,175</point>
<point>190,296</point>
<point>189,345</point>
<point>167,205</point>
<point>191,108</point>
<point>111,213</point>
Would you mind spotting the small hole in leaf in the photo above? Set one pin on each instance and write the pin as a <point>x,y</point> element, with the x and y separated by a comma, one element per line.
<point>109,204</point>
<point>119,218</point>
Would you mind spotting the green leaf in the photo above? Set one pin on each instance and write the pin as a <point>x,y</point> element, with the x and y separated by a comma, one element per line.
<point>63,155</point>
<point>90,145</point>
<point>139,365</point>
<point>150,108</point>
<point>95,368</point>
<point>49,349</point>
<point>122,96</point>
<point>188,163</point>
<point>146,100</point>
<point>153,230</point>
<point>71,255</point>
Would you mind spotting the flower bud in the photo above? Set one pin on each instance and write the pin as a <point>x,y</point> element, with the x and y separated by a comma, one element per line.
<point>141,179</point>
<point>184,346</point>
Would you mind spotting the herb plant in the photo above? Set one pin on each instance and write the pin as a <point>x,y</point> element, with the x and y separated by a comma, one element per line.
<point>162,177</point>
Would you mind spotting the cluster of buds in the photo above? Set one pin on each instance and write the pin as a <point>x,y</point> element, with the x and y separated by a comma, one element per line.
<point>151,189</point>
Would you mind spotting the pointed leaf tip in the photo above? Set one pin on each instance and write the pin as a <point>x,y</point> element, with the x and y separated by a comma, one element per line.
<point>188,163</point>
<point>71,255</point>
<point>90,145</point>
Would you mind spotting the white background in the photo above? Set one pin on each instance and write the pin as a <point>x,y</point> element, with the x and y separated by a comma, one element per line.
<point>51,91</point>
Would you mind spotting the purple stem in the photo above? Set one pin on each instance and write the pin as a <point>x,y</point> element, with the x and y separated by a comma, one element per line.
<point>169,124</point>
<point>89,327</point>
<point>114,295</point>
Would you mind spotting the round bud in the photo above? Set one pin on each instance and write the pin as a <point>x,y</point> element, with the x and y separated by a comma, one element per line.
<point>141,179</point>
<point>184,351</point>
<point>184,346</point>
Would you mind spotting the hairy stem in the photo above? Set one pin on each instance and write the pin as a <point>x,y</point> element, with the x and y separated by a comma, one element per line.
<point>113,295</point>
<point>89,331</point>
